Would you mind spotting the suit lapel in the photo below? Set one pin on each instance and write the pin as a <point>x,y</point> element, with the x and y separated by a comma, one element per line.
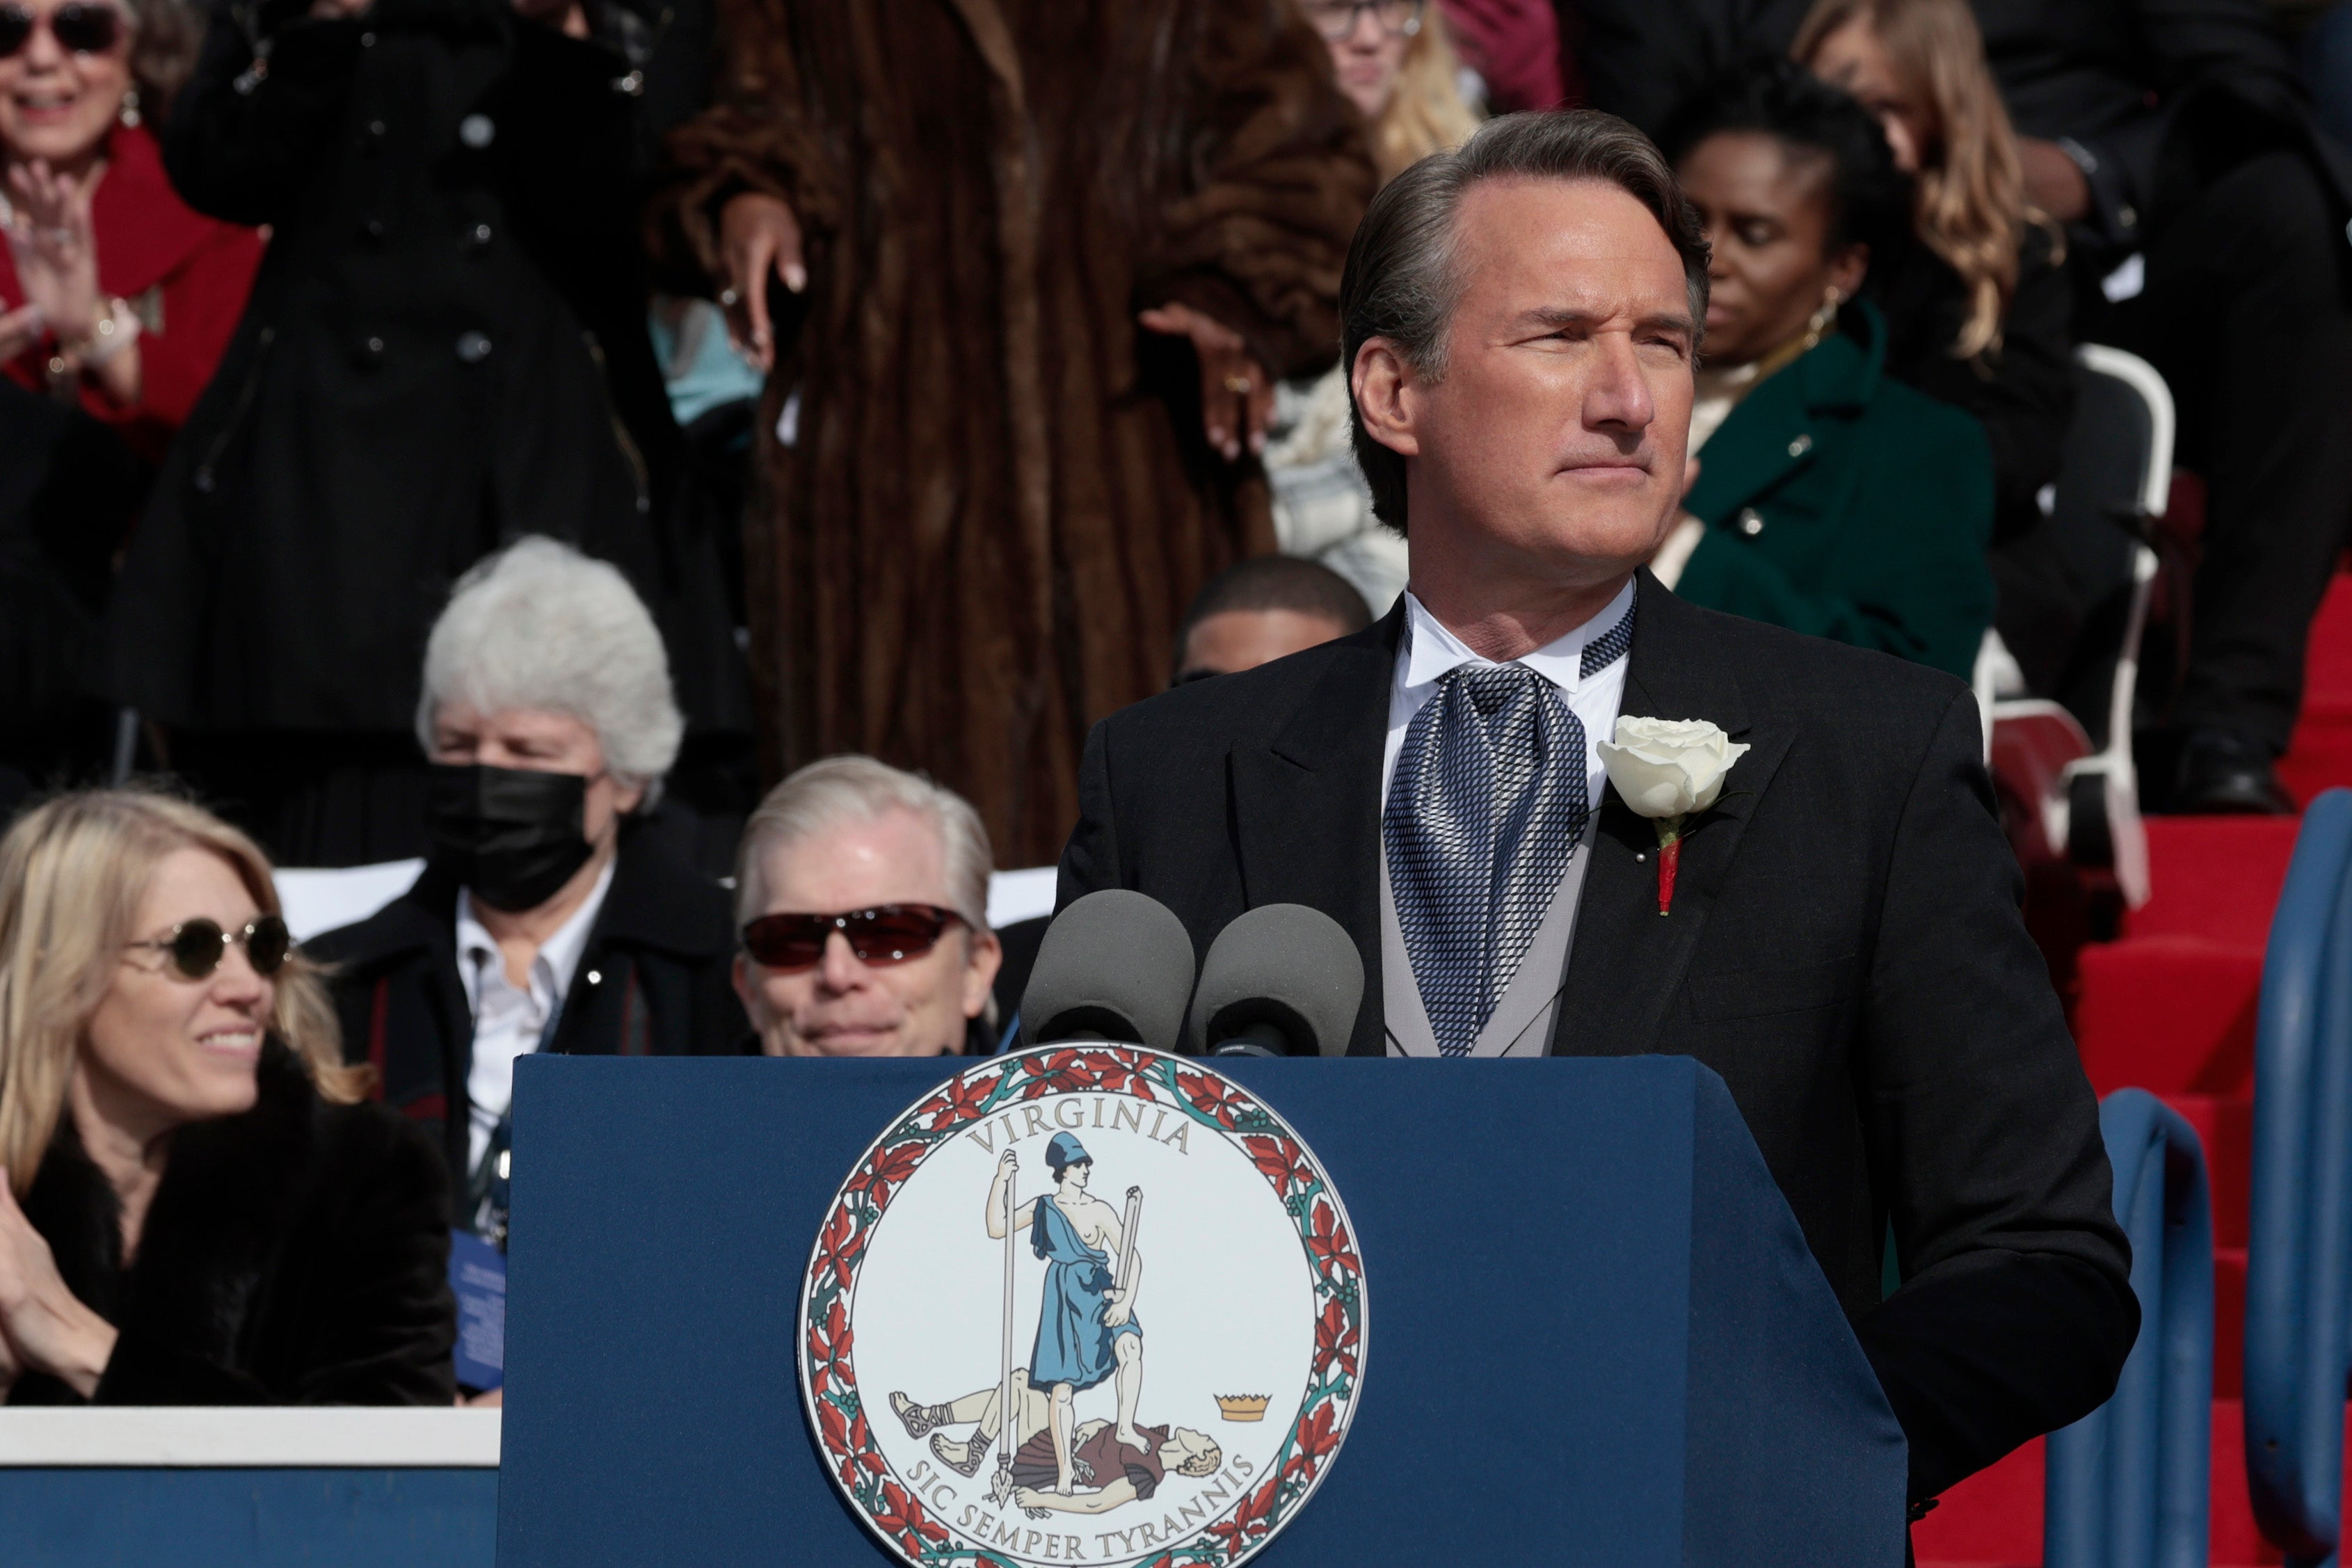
<point>1307,808</point>
<point>1627,960</point>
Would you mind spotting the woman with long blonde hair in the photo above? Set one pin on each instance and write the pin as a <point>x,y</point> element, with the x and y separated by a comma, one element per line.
<point>196,1207</point>
<point>1395,61</point>
<point>1981,318</point>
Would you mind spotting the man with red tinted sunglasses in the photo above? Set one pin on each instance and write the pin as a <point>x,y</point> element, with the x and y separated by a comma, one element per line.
<point>862,894</point>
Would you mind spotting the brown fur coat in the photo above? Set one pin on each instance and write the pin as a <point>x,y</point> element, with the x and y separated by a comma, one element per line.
<point>998,500</point>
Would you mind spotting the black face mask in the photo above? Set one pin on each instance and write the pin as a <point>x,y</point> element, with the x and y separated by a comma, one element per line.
<point>512,835</point>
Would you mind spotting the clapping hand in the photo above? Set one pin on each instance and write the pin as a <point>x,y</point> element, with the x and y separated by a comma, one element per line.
<point>44,1327</point>
<point>1236,394</point>
<point>56,251</point>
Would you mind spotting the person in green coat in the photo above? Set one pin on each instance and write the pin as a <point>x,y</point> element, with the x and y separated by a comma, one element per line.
<point>1828,498</point>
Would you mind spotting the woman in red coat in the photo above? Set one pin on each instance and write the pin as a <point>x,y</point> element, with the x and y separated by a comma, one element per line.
<point>112,292</point>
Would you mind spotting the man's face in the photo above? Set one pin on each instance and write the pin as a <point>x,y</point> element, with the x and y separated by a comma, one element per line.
<point>1553,449</point>
<point>842,1006</point>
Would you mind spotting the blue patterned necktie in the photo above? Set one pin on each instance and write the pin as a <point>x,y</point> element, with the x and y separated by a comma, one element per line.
<point>1487,805</point>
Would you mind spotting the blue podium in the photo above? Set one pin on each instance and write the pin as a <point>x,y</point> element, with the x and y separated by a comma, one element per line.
<point>1598,1337</point>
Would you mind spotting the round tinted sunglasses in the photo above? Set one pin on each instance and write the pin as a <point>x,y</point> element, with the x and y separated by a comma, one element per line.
<point>196,947</point>
<point>887,934</point>
<point>77,26</point>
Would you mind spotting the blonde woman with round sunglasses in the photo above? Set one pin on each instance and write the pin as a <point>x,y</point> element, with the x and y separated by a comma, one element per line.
<point>196,1207</point>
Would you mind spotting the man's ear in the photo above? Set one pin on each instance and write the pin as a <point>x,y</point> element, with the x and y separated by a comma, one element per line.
<point>1383,384</point>
<point>982,960</point>
<point>745,992</point>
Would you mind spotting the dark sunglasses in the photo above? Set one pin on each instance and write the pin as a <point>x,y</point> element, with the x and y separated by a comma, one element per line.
<point>887,933</point>
<point>196,947</point>
<point>77,26</point>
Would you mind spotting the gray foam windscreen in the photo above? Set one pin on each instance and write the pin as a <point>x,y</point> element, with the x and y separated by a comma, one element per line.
<point>1114,965</point>
<point>1285,966</point>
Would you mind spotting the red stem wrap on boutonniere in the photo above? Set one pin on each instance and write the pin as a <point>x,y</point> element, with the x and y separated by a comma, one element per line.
<point>1670,858</point>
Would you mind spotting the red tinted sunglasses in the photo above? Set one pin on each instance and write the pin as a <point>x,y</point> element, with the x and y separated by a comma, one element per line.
<point>887,934</point>
<point>77,26</point>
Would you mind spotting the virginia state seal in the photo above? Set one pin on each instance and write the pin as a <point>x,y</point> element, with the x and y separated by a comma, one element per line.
<point>1087,1304</point>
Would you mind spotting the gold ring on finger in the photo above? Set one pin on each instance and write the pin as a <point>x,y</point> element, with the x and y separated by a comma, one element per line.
<point>1239,386</point>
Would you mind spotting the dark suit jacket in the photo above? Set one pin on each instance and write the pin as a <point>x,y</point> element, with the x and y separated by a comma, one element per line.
<point>1844,949</point>
<point>654,980</point>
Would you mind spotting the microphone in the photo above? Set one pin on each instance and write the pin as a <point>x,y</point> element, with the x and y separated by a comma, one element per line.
<point>1281,980</point>
<point>1115,965</point>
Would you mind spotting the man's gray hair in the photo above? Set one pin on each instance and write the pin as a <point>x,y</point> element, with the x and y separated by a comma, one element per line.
<point>540,625</point>
<point>824,795</point>
<point>1401,283</point>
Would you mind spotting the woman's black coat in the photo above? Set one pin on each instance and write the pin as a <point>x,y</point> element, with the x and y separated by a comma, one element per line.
<point>446,349</point>
<point>297,1253</point>
<point>2022,393</point>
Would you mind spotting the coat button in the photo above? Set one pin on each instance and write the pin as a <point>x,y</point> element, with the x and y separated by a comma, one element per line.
<point>1801,445</point>
<point>478,236</point>
<point>373,231</point>
<point>367,40</point>
<point>376,129</point>
<point>594,978</point>
<point>375,347</point>
<point>476,130</point>
<point>473,347</point>
<point>1751,521</point>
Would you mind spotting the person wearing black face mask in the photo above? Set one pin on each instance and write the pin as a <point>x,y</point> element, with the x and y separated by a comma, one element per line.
<point>554,913</point>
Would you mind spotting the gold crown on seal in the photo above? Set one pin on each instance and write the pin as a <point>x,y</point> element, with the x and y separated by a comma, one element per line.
<point>1243,1407</point>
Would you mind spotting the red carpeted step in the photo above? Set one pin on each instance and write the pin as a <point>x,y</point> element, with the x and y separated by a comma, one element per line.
<point>2229,1323</point>
<point>2214,878</point>
<point>2321,754</point>
<point>2173,1014</point>
<point>1993,1517</point>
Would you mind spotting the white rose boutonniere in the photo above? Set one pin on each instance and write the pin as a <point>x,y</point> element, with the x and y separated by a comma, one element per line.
<point>1667,770</point>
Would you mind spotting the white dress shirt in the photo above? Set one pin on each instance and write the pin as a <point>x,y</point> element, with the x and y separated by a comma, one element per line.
<point>509,1020</point>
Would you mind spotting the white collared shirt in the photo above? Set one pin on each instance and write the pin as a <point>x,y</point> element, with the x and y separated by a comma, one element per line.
<point>508,1019</point>
<point>1431,651</point>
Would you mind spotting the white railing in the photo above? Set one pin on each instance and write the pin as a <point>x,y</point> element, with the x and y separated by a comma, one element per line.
<point>248,1437</point>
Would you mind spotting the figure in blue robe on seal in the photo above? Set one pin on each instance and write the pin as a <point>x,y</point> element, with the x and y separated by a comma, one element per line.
<point>1087,1333</point>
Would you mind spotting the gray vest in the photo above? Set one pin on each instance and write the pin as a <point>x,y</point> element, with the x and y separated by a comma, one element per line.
<point>1522,1021</point>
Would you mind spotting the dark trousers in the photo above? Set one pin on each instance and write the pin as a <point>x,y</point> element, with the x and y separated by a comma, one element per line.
<point>2248,314</point>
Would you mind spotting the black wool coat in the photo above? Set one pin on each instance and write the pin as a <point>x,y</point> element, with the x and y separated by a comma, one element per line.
<point>655,979</point>
<point>1844,949</point>
<point>297,1253</point>
<point>446,349</point>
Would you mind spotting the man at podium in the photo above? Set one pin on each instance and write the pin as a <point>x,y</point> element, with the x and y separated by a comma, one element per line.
<point>1793,872</point>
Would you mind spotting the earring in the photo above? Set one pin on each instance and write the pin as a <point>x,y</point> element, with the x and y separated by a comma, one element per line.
<point>1824,317</point>
<point>130,114</point>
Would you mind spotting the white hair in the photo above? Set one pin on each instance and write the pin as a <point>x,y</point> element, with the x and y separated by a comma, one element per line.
<point>540,626</point>
<point>825,794</point>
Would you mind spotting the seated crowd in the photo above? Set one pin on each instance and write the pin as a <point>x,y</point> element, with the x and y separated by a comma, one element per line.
<point>230,1164</point>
